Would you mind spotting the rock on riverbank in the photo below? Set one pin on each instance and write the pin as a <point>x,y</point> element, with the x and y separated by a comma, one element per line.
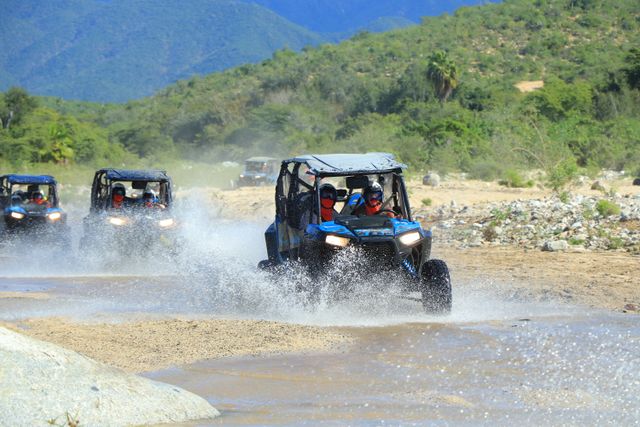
<point>41,383</point>
<point>580,223</point>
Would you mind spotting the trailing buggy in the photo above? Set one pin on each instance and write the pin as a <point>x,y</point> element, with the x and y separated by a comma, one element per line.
<point>327,203</point>
<point>131,213</point>
<point>258,171</point>
<point>31,209</point>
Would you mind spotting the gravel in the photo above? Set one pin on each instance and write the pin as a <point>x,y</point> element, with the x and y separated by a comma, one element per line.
<point>550,224</point>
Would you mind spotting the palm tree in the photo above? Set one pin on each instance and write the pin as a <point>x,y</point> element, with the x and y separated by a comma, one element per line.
<point>443,74</point>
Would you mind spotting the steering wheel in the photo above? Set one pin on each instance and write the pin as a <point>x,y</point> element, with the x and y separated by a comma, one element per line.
<point>381,211</point>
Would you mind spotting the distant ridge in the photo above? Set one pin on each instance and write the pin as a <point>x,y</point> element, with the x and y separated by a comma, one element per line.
<point>118,50</point>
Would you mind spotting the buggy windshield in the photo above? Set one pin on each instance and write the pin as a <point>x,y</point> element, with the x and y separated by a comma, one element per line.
<point>32,194</point>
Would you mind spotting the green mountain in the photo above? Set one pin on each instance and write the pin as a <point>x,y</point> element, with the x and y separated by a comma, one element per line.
<point>117,50</point>
<point>440,94</point>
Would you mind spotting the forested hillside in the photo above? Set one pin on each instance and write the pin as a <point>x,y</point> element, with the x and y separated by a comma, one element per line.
<point>440,95</point>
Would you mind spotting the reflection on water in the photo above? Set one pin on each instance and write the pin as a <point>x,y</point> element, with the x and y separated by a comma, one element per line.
<point>580,371</point>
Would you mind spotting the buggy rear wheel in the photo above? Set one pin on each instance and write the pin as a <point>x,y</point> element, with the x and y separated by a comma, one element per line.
<point>435,286</point>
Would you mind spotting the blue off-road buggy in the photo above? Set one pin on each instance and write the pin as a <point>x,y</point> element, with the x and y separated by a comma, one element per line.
<point>131,212</point>
<point>30,208</point>
<point>390,239</point>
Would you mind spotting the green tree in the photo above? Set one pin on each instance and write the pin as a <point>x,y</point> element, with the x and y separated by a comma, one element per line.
<point>16,103</point>
<point>61,143</point>
<point>632,71</point>
<point>443,74</point>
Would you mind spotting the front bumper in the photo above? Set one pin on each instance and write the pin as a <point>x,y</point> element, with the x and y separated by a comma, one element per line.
<point>131,236</point>
<point>36,224</point>
<point>380,253</point>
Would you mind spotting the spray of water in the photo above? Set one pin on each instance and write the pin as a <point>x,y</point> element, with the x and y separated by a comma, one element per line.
<point>213,272</point>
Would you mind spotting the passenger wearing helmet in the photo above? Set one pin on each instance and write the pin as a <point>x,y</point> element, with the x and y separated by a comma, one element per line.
<point>373,197</point>
<point>118,194</point>
<point>37,198</point>
<point>328,197</point>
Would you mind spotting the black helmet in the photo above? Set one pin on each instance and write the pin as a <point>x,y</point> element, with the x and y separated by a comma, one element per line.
<point>328,191</point>
<point>118,188</point>
<point>373,192</point>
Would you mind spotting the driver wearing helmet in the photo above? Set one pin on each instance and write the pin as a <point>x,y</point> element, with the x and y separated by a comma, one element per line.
<point>149,199</point>
<point>373,197</point>
<point>118,194</point>
<point>328,197</point>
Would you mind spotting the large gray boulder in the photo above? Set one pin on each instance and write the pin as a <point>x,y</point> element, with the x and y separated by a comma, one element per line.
<point>40,382</point>
<point>555,246</point>
<point>432,179</point>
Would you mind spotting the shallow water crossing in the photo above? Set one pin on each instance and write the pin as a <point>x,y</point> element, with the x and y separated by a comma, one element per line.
<point>563,371</point>
<point>495,359</point>
<point>505,363</point>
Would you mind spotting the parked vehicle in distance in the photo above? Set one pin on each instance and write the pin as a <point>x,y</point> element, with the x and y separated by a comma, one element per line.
<point>131,211</point>
<point>259,171</point>
<point>370,212</point>
<point>31,207</point>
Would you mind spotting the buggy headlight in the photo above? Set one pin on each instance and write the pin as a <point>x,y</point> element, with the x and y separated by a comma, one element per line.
<point>164,223</point>
<point>114,220</point>
<point>334,240</point>
<point>54,216</point>
<point>409,238</point>
<point>17,215</point>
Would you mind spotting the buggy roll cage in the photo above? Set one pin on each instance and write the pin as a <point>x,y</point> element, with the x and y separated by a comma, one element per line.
<point>7,181</point>
<point>289,184</point>
<point>102,181</point>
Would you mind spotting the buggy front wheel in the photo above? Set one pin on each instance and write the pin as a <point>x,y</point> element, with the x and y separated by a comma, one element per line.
<point>435,286</point>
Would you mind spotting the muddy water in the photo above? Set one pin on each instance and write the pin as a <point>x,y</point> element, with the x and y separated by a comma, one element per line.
<point>491,361</point>
<point>579,370</point>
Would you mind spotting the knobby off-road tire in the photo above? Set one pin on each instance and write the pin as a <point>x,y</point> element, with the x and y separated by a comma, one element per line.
<point>636,181</point>
<point>435,286</point>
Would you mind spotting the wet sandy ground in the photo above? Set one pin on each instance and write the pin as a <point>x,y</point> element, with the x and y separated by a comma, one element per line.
<point>498,358</point>
<point>559,370</point>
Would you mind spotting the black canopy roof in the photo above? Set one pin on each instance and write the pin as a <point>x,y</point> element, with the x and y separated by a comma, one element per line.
<point>135,175</point>
<point>349,164</point>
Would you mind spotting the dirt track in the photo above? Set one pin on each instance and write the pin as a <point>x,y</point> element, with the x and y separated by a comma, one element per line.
<point>608,280</point>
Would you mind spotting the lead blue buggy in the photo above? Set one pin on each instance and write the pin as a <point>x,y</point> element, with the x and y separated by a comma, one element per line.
<point>391,239</point>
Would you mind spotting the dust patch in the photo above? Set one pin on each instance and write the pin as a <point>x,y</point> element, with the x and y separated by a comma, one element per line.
<point>529,86</point>
<point>25,295</point>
